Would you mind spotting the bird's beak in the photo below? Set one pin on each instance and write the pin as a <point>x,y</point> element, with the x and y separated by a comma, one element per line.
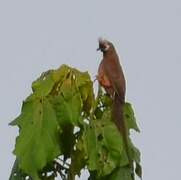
<point>98,49</point>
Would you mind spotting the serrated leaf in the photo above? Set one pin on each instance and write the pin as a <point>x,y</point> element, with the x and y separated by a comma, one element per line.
<point>38,141</point>
<point>130,118</point>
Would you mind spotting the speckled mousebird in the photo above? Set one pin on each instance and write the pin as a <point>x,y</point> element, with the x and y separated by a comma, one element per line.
<point>111,77</point>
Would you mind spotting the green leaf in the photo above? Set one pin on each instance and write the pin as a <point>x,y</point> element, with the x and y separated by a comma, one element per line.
<point>113,143</point>
<point>43,85</point>
<point>68,104</point>
<point>130,118</point>
<point>38,142</point>
<point>104,145</point>
<point>26,113</point>
<point>112,139</point>
<point>92,148</point>
<point>50,81</point>
<point>68,111</point>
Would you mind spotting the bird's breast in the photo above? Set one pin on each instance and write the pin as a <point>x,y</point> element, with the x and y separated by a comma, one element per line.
<point>102,77</point>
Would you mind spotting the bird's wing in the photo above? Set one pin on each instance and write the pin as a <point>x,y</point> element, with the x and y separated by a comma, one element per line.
<point>115,75</point>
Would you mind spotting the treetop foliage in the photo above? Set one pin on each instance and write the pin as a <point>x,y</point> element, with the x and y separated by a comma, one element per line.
<point>64,128</point>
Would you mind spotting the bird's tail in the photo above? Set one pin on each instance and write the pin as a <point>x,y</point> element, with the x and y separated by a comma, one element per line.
<point>118,118</point>
<point>117,113</point>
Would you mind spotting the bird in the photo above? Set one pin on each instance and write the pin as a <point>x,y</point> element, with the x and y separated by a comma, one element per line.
<point>111,77</point>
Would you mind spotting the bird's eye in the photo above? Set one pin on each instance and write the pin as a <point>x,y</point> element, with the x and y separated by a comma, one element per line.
<point>106,47</point>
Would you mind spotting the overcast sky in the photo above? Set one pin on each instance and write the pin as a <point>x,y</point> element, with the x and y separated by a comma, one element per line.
<point>39,35</point>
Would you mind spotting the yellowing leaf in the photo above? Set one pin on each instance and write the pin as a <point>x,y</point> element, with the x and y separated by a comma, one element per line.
<point>61,73</point>
<point>82,78</point>
<point>68,88</point>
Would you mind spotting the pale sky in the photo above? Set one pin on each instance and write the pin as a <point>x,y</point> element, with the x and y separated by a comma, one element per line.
<point>39,35</point>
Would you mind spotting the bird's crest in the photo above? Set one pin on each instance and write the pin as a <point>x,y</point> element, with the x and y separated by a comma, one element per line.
<point>104,44</point>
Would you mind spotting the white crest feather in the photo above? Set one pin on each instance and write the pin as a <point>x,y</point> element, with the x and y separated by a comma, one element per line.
<point>105,42</point>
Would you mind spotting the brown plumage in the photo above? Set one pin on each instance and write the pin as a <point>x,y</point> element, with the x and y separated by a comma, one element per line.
<point>111,77</point>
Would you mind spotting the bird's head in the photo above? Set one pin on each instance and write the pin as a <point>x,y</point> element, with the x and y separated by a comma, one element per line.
<point>104,45</point>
